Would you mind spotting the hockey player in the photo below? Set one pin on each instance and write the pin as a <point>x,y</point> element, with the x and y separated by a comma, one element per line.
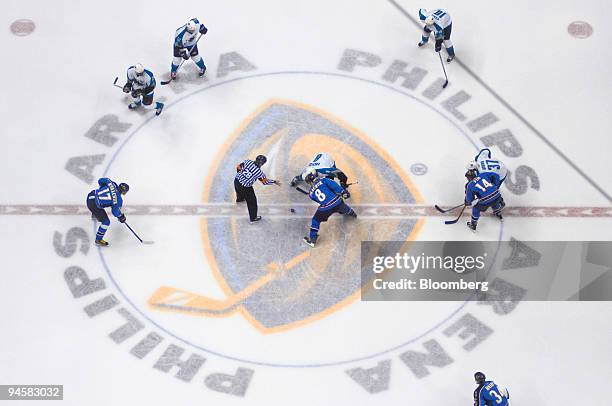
<point>440,23</point>
<point>488,393</point>
<point>185,46</point>
<point>329,195</point>
<point>486,194</point>
<point>247,173</point>
<point>494,170</point>
<point>107,195</point>
<point>324,165</point>
<point>141,83</point>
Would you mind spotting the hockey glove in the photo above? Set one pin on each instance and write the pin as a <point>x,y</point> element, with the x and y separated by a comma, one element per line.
<point>136,93</point>
<point>438,46</point>
<point>203,30</point>
<point>121,218</point>
<point>185,53</point>
<point>127,87</point>
<point>346,194</point>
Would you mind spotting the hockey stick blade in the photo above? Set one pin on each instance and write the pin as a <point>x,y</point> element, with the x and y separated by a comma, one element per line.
<point>115,83</point>
<point>458,217</point>
<point>165,82</point>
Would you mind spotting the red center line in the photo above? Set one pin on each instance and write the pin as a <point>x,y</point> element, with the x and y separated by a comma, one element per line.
<point>300,210</point>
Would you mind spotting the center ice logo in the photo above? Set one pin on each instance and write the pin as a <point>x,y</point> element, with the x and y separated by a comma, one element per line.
<point>266,273</point>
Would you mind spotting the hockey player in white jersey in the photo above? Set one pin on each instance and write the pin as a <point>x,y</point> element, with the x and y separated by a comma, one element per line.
<point>141,84</point>
<point>324,166</point>
<point>185,46</point>
<point>485,165</point>
<point>440,23</point>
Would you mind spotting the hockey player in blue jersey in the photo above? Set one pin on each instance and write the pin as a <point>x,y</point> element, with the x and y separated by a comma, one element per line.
<point>329,195</point>
<point>141,84</point>
<point>109,194</point>
<point>324,165</point>
<point>488,393</point>
<point>484,193</point>
<point>185,46</point>
<point>440,23</point>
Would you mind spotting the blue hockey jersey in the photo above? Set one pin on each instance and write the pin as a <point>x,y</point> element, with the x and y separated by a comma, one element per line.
<point>327,193</point>
<point>489,394</point>
<point>481,189</point>
<point>108,195</point>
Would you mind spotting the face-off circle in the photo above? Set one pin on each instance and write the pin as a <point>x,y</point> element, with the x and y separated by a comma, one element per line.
<point>23,27</point>
<point>580,29</point>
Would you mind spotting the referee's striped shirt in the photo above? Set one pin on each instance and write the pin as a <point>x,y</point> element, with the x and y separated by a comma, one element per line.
<point>248,173</point>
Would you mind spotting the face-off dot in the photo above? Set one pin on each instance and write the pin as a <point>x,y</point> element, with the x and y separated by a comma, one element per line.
<point>580,29</point>
<point>23,27</point>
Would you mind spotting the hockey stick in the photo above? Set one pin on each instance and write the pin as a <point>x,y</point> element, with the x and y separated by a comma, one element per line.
<point>177,300</point>
<point>165,82</point>
<point>458,217</point>
<point>139,239</point>
<point>447,210</point>
<point>299,189</point>
<point>115,83</point>
<point>443,69</point>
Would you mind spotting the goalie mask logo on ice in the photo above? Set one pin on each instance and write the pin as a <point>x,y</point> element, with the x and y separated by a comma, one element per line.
<point>266,276</point>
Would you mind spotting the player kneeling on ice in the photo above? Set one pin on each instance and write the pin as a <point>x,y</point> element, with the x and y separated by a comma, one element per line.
<point>141,83</point>
<point>440,23</point>
<point>484,192</point>
<point>486,166</point>
<point>325,166</point>
<point>330,197</point>
<point>107,195</point>
<point>186,46</point>
<point>488,393</point>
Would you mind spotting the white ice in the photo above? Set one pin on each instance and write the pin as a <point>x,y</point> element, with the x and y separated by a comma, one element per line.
<point>58,81</point>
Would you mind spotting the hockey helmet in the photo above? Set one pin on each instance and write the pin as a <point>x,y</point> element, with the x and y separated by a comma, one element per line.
<point>139,69</point>
<point>124,188</point>
<point>192,25</point>
<point>260,160</point>
<point>309,171</point>
<point>479,377</point>
<point>310,177</point>
<point>472,170</point>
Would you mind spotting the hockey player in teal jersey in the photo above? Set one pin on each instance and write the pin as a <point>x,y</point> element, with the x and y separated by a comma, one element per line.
<point>109,194</point>
<point>330,197</point>
<point>488,393</point>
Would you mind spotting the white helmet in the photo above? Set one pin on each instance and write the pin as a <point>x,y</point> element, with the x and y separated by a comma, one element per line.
<point>429,20</point>
<point>191,26</point>
<point>309,171</point>
<point>139,69</point>
<point>472,165</point>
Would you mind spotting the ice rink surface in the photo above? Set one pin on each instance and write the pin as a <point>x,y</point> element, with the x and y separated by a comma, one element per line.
<point>284,324</point>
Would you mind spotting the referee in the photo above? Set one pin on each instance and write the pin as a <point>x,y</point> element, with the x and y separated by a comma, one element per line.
<point>247,173</point>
